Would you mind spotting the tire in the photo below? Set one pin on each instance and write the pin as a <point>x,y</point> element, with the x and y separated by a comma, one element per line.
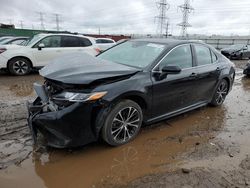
<point>19,66</point>
<point>220,93</point>
<point>123,123</point>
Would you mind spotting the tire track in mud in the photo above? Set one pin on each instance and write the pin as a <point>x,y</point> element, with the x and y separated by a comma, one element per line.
<point>15,138</point>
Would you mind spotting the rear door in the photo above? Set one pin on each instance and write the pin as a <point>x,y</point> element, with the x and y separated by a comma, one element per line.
<point>73,44</point>
<point>208,71</point>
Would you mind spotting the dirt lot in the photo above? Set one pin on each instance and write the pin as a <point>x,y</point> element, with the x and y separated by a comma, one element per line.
<point>209,147</point>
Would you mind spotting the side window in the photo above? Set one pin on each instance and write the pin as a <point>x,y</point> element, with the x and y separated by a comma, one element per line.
<point>203,55</point>
<point>84,42</point>
<point>180,56</point>
<point>214,57</point>
<point>108,41</point>
<point>51,42</point>
<point>98,41</point>
<point>69,41</point>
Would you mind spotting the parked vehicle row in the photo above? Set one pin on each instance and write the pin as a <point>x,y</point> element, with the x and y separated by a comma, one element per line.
<point>13,40</point>
<point>43,48</point>
<point>136,82</point>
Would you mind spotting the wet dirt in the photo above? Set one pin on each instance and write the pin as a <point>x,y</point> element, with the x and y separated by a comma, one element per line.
<point>208,147</point>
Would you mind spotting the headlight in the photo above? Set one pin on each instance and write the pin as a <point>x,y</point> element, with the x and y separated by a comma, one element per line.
<point>79,97</point>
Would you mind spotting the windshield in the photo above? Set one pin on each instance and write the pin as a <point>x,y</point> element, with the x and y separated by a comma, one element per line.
<point>32,40</point>
<point>134,53</point>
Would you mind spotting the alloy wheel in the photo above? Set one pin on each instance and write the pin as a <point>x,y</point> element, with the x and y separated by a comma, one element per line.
<point>20,67</point>
<point>125,124</point>
<point>221,93</point>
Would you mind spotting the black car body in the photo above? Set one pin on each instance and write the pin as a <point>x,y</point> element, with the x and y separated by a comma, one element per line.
<point>237,51</point>
<point>111,92</point>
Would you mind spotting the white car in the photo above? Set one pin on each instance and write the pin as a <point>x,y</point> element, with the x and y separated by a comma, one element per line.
<point>104,43</point>
<point>41,49</point>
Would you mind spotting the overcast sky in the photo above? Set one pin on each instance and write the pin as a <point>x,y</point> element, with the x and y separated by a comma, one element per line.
<point>225,17</point>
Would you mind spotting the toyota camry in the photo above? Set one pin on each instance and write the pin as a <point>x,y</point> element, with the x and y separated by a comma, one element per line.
<point>137,82</point>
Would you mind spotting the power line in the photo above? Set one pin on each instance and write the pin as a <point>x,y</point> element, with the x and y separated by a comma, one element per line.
<point>163,6</point>
<point>186,8</point>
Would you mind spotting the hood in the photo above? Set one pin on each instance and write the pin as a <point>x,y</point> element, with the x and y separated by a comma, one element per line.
<point>11,46</point>
<point>81,68</point>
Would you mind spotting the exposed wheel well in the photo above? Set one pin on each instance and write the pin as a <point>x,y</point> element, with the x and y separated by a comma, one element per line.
<point>139,100</point>
<point>228,82</point>
<point>19,57</point>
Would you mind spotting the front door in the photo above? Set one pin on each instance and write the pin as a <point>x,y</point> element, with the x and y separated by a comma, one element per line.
<point>52,49</point>
<point>174,92</point>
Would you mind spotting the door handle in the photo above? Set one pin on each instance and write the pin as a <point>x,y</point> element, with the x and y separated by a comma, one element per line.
<point>218,69</point>
<point>193,75</point>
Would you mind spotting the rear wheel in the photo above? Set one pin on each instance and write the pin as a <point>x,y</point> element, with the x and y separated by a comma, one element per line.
<point>19,66</point>
<point>123,123</point>
<point>220,93</point>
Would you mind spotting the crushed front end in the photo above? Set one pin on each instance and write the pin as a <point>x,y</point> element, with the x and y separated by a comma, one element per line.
<point>63,115</point>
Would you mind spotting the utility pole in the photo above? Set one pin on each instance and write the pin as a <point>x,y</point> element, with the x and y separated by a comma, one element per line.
<point>41,14</point>
<point>186,9</point>
<point>167,29</point>
<point>57,22</point>
<point>21,24</point>
<point>163,6</point>
<point>99,30</point>
<point>10,21</point>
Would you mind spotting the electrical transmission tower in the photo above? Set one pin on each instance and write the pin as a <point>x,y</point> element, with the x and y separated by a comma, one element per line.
<point>21,24</point>
<point>186,8</point>
<point>41,14</point>
<point>163,6</point>
<point>57,22</point>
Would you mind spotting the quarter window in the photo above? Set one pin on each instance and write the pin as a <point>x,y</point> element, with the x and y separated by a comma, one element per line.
<point>85,42</point>
<point>180,56</point>
<point>203,55</point>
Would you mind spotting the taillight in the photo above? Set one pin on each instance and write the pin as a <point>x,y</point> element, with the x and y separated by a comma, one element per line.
<point>2,50</point>
<point>98,50</point>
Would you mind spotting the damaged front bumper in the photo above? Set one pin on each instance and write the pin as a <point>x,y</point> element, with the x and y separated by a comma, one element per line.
<point>69,127</point>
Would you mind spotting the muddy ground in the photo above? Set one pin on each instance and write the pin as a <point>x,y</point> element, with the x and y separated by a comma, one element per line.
<point>208,147</point>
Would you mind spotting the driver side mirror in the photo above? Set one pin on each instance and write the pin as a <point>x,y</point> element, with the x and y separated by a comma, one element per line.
<point>245,48</point>
<point>168,69</point>
<point>171,69</point>
<point>40,46</point>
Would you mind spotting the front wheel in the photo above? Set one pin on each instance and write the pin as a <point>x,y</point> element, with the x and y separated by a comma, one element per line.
<point>123,123</point>
<point>19,66</point>
<point>220,93</point>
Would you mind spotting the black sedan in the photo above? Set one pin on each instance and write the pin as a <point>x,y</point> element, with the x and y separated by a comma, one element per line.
<point>135,83</point>
<point>237,51</point>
